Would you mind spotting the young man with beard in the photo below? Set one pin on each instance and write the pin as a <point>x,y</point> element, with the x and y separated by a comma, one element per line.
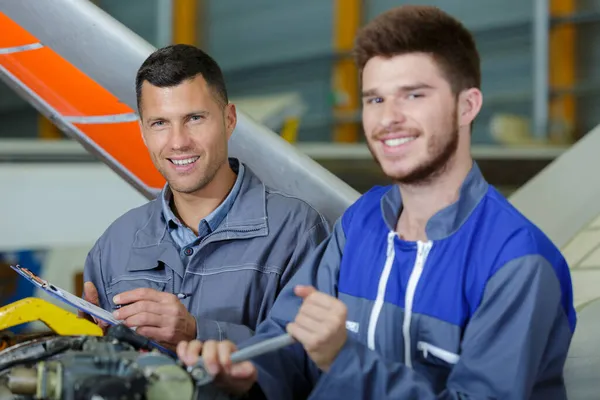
<point>434,287</point>
<point>207,258</point>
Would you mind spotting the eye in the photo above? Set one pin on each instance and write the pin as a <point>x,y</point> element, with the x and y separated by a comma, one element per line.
<point>374,100</point>
<point>415,95</point>
<point>197,117</point>
<point>157,124</point>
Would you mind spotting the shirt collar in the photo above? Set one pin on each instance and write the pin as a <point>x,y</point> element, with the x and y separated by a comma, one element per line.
<point>448,220</point>
<point>213,219</point>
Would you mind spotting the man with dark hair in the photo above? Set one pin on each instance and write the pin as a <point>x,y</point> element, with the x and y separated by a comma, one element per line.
<point>434,287</point>
<point>207,258</point>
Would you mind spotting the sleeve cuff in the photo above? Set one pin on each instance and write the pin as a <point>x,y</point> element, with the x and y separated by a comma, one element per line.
<point>338,372</point>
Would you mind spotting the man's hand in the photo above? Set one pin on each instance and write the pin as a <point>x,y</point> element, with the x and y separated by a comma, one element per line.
<point>157,315</point>
<point>320,325</point>
<point>236,379</point>
<point>90,294</point>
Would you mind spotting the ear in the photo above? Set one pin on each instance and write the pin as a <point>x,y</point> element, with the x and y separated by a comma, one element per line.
<point>230,119</point>
<point>469,105</point>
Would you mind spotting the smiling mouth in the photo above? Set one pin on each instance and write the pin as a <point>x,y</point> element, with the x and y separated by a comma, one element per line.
<point>398,141</point>
<point>183,161</point>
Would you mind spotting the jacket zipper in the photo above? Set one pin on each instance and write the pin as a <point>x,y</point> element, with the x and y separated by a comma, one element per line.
<point>389,260</point>
<point>423,249</point>
<point>442,354</point>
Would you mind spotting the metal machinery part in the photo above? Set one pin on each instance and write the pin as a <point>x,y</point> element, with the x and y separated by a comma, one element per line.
<point>80,363</point>
<point>112,367</point>
<point>59,320</point>
<point>9,339</point>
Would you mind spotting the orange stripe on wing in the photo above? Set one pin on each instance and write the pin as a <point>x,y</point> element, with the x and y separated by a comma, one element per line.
<point>64,87</point>
<point>71,94</point>
<point>13,35</point>
<point>123,141</point>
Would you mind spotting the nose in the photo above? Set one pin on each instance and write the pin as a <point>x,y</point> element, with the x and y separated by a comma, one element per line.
<point>392,114</point>
<point>180,138</point>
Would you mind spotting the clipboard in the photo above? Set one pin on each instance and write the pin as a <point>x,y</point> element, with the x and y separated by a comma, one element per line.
<point>65,296</point>
<point>77,302</point>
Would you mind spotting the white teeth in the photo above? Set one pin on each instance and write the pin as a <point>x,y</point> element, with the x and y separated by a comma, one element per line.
<point>185,161</point>
<point>398,142</point>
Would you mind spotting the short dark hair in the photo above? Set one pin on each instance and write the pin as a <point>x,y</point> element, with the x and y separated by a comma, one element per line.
<point>423,29</point>
<point>174,64</point>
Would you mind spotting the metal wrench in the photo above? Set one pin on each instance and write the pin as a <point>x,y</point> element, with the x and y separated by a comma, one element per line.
<point>202,377</point>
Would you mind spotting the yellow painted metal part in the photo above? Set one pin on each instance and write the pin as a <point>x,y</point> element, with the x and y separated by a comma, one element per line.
<point>185,15</point>
<point>563,72</point>
<point>290,129</point>
<point>59,320</point>
<point>47,130</point>
<point>345,79</point>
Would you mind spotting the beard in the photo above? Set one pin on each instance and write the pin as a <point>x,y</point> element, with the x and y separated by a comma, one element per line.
<point>440,153</point>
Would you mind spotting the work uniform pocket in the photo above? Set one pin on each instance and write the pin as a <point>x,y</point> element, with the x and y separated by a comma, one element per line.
<point>436,355</point>
<point>126,283</point>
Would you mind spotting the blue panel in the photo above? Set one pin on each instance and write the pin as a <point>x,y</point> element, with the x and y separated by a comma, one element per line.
<point>245,33</point>
<point>13,287</point>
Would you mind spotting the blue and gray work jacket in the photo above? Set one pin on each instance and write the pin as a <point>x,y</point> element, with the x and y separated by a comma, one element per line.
<point>483,309</point>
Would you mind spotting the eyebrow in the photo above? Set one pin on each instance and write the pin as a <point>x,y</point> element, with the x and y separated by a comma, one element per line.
<point>186,116</point>
<point>202,113</point>
<point>405,88</point>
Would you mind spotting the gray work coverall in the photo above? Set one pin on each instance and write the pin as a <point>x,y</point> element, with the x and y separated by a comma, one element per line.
<point>233,275</point>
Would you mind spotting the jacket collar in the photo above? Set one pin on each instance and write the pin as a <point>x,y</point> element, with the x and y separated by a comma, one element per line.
<point>247,218</point>
<point>214,219</point>
<point>448,220</point>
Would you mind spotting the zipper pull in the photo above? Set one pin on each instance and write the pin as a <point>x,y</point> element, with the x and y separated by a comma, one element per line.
<point>390,247</point>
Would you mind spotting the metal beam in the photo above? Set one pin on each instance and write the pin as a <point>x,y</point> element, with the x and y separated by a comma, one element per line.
<point>345,77</point>
<point>185,14</point>
<point>562,66</point>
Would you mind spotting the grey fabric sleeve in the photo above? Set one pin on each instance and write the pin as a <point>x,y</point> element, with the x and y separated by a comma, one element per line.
<point>307,244</point>
<point>289,373</point>
<point>506,346</point>
<point>92,272</point>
